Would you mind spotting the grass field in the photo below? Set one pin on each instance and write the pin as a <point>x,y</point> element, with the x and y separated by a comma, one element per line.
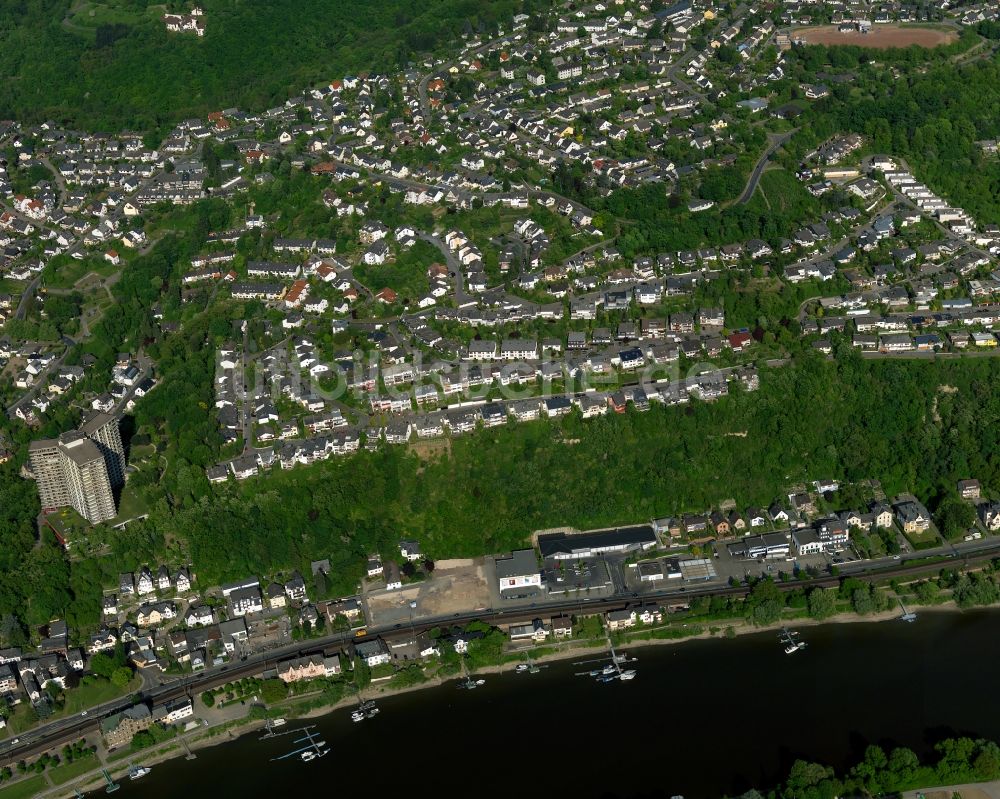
<point>786,194</point>
<point>84,17</point>
<point>13,287</point>
<point>96,693</point>
<point>70,771</point>
<point>407,275</point>
<point>132,504</point>
<point>24,789</point>
<point>141,453</point>
<point>68,523</point>
<point>22,718</point>
<point>924,539</point>
<point>64,272</point>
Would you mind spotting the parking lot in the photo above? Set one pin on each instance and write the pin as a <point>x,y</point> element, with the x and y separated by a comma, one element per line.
<point>594,576</point>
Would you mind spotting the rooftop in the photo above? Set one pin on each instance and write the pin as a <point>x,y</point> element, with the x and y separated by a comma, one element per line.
<point>520,563</point>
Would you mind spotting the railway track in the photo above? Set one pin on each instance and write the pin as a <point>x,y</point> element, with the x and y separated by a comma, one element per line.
<point>67,730</point>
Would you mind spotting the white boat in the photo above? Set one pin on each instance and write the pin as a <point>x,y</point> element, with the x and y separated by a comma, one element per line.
<point>628,674</point>
<point>135,772</point>
<point>277,722</point>
<point>318,744</point>
<point>307,756</point>
<point>609,669</point>
<point>790,639</point>
<point>323,753</point>
<point>357,715</point>
<point>371,712</point>
<point>521,668</point>
<point>480,682</point>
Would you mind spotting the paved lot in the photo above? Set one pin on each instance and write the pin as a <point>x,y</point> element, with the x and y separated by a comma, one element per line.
<point>728,567</point>
<point>594,577</point>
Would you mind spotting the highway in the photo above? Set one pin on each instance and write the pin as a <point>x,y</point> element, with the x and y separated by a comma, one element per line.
<point>57,733</point>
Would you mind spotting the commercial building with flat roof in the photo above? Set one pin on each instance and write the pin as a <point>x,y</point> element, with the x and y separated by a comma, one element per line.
<point>562,546</point>
<point>769,545</point>
<point>519,571</point>
<point>694,569</point>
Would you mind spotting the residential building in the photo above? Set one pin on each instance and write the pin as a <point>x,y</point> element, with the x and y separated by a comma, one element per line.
<point>913,517</point>
<point>373,652</point>
<point>81,468</point>
<point>119,728</point>
<point>969,489</point>
<point>308,668</point>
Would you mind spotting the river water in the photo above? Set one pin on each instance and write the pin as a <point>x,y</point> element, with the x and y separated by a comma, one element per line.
<point>702,719</point>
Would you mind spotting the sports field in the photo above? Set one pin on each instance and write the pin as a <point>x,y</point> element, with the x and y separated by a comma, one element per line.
<point>880,37</point>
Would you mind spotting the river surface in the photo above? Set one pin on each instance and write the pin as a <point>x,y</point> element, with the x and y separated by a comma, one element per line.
<point>701,719</point>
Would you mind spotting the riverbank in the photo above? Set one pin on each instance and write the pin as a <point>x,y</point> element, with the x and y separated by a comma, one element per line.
<point>230,731</point>
<point>739,627</point>
<point>825,704</point>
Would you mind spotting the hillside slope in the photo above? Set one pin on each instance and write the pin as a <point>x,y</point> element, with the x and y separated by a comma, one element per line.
<point>112,65</point>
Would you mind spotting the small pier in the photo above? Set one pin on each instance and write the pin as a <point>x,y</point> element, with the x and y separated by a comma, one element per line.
<point>611,670</point>
<point>312,749</point>
<point>112,785</point>
<point>791,641</point>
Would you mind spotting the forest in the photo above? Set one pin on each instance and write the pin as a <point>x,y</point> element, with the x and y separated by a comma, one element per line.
<point>915,426</point>
<point>883,772</point>
<point>130,73</point>
<point>932,117</point>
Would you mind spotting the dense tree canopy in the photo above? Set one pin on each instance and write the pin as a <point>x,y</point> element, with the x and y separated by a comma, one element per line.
<point>129,72</point>
<point>850,419</point>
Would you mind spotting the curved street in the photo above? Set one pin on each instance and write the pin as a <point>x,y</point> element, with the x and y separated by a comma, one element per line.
<point>776,140</point>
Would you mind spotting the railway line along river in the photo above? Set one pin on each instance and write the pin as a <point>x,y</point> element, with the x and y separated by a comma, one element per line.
<point>702,719</point>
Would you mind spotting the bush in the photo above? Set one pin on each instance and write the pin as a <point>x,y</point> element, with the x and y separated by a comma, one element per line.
<point>822,604</point>
<point>273,690</point>
<point>121,676</point>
